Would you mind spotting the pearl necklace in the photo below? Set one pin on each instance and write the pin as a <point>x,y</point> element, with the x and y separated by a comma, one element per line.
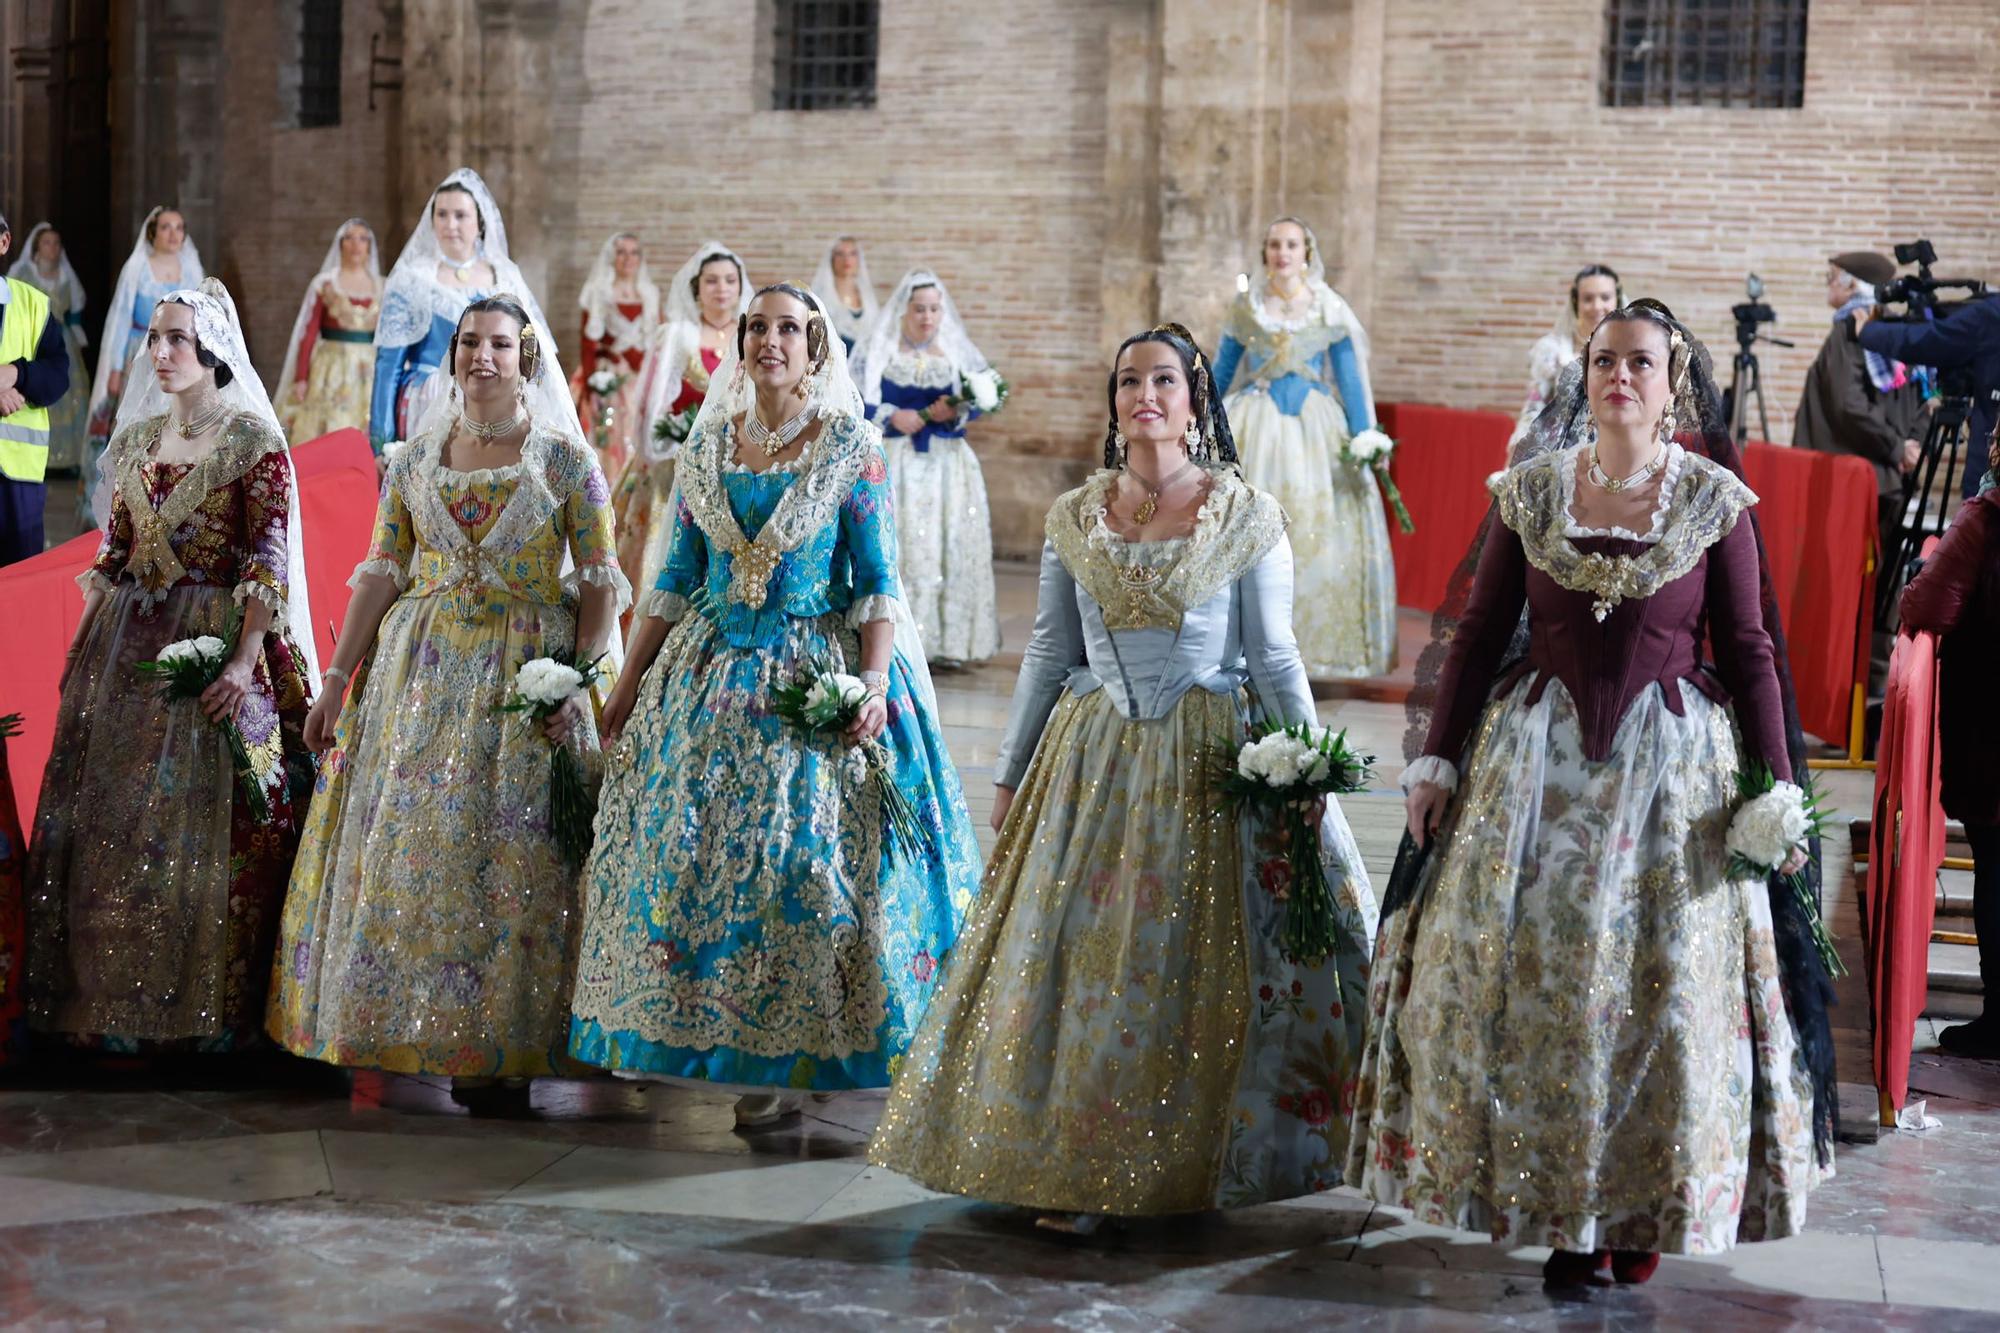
<point>488,430</point>
<point>459,270</point>
<point>1617,484</point>
<point>1151,504</point>
<point>201,425</point>
<point>775,442</point>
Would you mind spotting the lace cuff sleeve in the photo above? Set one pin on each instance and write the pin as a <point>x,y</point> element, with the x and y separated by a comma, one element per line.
<point>1431,768</point>
<point>381,567</point>
<point>264,593</point>
<point>668,606</point>
<point>602,576</point>
<point>94,580</point>
<point>876,606</point>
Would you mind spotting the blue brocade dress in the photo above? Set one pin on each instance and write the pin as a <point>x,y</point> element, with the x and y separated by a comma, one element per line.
<point>745,923</point>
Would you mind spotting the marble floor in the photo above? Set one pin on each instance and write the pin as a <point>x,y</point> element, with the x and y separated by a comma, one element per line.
<point>220,1197</point>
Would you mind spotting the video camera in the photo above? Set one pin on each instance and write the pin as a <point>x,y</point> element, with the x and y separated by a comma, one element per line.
<point>1751,313</point>
<point>1919,291</point>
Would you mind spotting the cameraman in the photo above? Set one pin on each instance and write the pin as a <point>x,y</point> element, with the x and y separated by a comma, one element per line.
<point>1957,596</point>
<point>1969,339</point>
<point>1862,403</point>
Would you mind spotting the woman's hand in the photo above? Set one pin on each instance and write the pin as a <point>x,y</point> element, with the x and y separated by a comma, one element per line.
<point>558,725</point>
<point>868,723</point>
<point>1425,807</point>
<point>617,711</point>
<point>1795,862</point>
<point>941,409</point>
<point>1003,801</point>
<point>905,421</point>
<point>220,699</point>
<point>323,718</point>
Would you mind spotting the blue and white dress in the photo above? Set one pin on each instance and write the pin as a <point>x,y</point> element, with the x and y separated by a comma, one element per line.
<point>745,922</point>
<point>412,340</point>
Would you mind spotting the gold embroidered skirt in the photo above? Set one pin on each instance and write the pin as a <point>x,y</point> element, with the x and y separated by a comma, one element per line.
<point>1577,1034</point>
<point>1118,1031</point>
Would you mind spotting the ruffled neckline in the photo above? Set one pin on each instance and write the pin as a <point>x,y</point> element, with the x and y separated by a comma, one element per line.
<point>1097,510</point>
<point>1669,480</point>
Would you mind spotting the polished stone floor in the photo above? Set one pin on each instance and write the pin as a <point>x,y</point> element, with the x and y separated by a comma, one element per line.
<point>221,1197</point>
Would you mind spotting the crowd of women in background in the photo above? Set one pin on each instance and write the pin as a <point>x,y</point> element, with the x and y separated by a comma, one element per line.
<point>778,892</point>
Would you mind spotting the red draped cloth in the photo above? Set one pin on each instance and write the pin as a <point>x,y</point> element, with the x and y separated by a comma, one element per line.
<point>40,602</point>
<point>1443,457</point>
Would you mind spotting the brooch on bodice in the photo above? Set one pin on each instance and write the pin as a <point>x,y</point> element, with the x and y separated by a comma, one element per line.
<point>152,563</point>
<point>751,567</point>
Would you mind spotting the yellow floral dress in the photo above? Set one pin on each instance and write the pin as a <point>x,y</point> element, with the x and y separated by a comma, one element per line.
<point>431,923</point>
<point>337,368</point>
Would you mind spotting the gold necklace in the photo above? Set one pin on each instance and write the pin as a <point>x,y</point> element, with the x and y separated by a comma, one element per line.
<point>1151,504</point>
<point>1617,484</point>
<point>202,424</point>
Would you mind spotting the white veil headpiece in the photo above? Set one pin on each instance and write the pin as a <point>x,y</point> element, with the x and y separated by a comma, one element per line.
<point>828,291</point>
<point>329,268</point>
<point>600,288</point>
<point>413,296</point>
<point>1330,306</point>
<point>24,268</point>
<point>835,394</point>
<point>873,355</point>
<point>114,349</point>
<point>218,331</point>
<point>679,341</point>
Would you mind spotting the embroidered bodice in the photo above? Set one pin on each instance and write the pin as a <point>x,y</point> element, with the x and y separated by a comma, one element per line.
<point>795,541</point>
<point>219,521</point>
<point>915,380</point>
<point>341,312</point>
<point>1610,616</point>
<point>482,538</point>
<point>1148,621</point>
<point>1290,360</point>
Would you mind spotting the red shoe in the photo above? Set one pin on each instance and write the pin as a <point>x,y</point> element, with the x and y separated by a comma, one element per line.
<point>1573,1268</point>
<point>1632,1267</point>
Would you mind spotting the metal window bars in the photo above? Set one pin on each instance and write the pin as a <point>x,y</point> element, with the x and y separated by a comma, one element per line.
<point>1728,53</point>
<point>823,54</point>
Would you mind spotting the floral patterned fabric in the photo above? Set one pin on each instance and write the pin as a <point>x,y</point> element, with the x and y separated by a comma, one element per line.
<point>431,923</point>
<point>644,499</point>
<point>1120,1030</point>
<point>153,892</point>
<point>746,923</point>
<point>1578,1035</point>
<point>340,374</point>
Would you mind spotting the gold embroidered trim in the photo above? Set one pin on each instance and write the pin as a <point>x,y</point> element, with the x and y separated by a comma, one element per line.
<point>152,562</point>
<point>1702,510</point>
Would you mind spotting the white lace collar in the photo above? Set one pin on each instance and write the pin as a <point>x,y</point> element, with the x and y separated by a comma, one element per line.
<point>1670,477</point>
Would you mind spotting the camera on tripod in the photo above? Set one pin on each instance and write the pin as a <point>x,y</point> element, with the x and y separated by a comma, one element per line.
<point>1752,312</point>
<point>1746,378</point>
<point>1919,291</point>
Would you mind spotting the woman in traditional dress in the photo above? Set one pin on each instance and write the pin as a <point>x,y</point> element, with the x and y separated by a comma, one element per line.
<point>431,923</point>
<point>749,924</point>
<point>158,867</point>
<point>911,371</point>
<point>842,286</point>
<point>1120,1031</point>
<point>707,297</point>
<point>163,259</point>
<point>621,313</point>
<point>329,368</point>
<point>1593,293</point>
<point>1587,1029</point>
<point>1293,364</point>
<point>44,264</point>
<point>457,255</point>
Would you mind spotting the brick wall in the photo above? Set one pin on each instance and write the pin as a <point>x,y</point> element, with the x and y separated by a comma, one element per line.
<point>1501,174</point>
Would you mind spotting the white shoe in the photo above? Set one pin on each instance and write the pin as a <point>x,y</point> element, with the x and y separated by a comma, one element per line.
<point>765,1109</point>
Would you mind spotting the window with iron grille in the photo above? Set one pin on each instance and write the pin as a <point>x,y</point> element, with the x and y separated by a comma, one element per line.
<point>823,54</point>
<point>1740,53</point>
<point>319,63</point>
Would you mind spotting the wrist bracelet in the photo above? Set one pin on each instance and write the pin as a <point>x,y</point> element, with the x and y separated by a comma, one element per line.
<point>875,678</point>
<point>327,673</point>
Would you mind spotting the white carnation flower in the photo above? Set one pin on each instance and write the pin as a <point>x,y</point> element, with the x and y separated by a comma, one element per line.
<point>603,382</point>
<point>1766,829</point>
<point>985,389</point>
<point>1370,446</point>
<point>547,681</point>
<point>849,689</point>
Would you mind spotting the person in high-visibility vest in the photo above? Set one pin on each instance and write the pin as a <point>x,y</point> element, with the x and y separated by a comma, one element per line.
<point>34,373</point>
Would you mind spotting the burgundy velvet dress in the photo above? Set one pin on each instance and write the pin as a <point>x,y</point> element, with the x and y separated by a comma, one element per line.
<point>1578,1034</point>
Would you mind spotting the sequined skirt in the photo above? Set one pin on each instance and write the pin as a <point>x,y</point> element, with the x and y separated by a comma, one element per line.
<point>944,535</point>
<point>338,386</point>
<point>431,922</point>
<point>153,892</point>
<point>1344,579</point>
<point>642,506</point>
<point>1119,1030</point>
<point>746,925</point>
<point>1577,1032</point>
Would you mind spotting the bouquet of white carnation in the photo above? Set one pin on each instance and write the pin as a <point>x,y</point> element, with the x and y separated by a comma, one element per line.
<point>984,389</point>
<point>1776,819</point>
<point>185,670</point>
<point>1283,772</point>
<point>604,383</point>
<point>541,686</point>
<point>824,701</point>
<point>1372,449</point>
<point>674,428</point>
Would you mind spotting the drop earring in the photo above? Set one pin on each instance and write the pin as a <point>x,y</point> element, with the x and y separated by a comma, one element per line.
<point>1191,437</point>
<point>1118,444</point>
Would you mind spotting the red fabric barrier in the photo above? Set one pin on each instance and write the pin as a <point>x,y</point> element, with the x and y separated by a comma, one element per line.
<point>1442,459</point>
<point>1905,849</point>
<point>1817,512</point>
<point>40,602</point>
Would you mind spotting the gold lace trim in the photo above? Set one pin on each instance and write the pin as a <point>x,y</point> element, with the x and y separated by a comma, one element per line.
<point>152,562</point>
<point>1234,529</point>
<point>1701,511</point>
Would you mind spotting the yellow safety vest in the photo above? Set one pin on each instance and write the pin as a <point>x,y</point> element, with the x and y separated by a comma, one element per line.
<point>24,436</point>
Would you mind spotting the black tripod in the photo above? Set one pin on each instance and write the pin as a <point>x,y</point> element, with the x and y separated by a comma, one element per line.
<point>1944,440</point>
<point>1746,379</point>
